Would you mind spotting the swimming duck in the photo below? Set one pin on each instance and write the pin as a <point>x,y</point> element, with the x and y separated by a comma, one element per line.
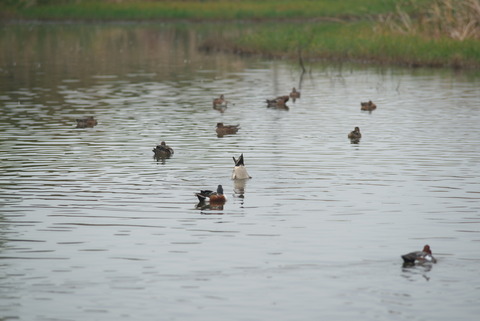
<point>368,106</point>
<point>355,135</point>
<point>279,102</point>
<point>294,94</point>
<point>85,122</point>
<point>239,171</point>
<point>226,129</point>
<point>163,150</point>
<point>212,197</point>
<point>419,256</point>
<point>220,103</point>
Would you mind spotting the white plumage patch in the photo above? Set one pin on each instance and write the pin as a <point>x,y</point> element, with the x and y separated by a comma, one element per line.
<point>240,172</point>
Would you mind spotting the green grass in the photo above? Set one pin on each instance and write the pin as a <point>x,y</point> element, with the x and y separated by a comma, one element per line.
<point>352,41</point>
<point>205,10</point>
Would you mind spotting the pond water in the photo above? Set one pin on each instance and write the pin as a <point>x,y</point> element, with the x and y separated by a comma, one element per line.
<point>92,227</point>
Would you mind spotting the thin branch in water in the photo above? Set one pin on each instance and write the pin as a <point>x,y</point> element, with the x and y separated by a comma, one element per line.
<point>300,60</point>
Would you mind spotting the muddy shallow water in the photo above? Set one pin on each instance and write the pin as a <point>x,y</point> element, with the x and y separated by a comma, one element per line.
<point>94,228</point>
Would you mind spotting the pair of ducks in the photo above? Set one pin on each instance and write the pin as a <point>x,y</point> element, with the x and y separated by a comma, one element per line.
<point>221,104</point>
<point>218,197</point>
<point>239,172</point>
<point>222,130</point>
<point>165,151</point>
<point>281,101</point>
<point>355,135</point>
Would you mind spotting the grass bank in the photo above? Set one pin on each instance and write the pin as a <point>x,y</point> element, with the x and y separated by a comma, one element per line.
<point>353,42</point>
<point>414,33</point>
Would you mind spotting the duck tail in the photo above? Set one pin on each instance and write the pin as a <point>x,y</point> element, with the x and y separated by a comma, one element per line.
<point>201,198</point>
<point>239,161</point>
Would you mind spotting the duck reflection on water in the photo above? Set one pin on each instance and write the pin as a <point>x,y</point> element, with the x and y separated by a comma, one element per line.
<point>239,187</point>
<point>413,271</point>
<point>208,206</point>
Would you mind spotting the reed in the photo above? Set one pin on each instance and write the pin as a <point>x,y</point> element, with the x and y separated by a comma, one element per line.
<point>454,19</point>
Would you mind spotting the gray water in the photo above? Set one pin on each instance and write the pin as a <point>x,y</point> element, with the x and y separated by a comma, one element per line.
<point>92,227</point>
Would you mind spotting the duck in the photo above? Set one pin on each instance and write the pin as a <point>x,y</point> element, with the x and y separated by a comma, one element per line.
<point>85,122</point>
<point>220,103</point>
<point>212,197</point>
<point>279,102</point>
<point>163,150</point>
<point>368,106</point>
<point>424,256</point>
<point>226,129</point>
<point>355,135</point>
<point>294,94</point>
<point>239,171</point>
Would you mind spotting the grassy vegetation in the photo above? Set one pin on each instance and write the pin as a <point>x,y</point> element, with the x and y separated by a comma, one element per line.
<point>196,9</point>
<point>353,41</point>
<point>411,32</point>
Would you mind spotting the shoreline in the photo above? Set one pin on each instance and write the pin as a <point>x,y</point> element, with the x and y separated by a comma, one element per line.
<point>247,48</point>
<point>274,30</point>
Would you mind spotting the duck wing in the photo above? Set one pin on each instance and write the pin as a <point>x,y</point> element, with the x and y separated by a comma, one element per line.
<point>412,256</point>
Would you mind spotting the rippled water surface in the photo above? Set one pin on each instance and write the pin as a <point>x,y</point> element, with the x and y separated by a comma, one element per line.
<point>93,228</point>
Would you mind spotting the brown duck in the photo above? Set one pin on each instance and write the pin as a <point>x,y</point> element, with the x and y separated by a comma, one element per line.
<point>163,151</point>
<point>294,94</point>
<point>355,135</point>
<point>226,129</point>
<point>368,106</point>
<point>86,122</point>
<point>220,103</point>
<point>279,102</point>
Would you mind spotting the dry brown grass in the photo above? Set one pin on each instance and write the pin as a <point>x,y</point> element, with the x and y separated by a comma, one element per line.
<point>456,19</point>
